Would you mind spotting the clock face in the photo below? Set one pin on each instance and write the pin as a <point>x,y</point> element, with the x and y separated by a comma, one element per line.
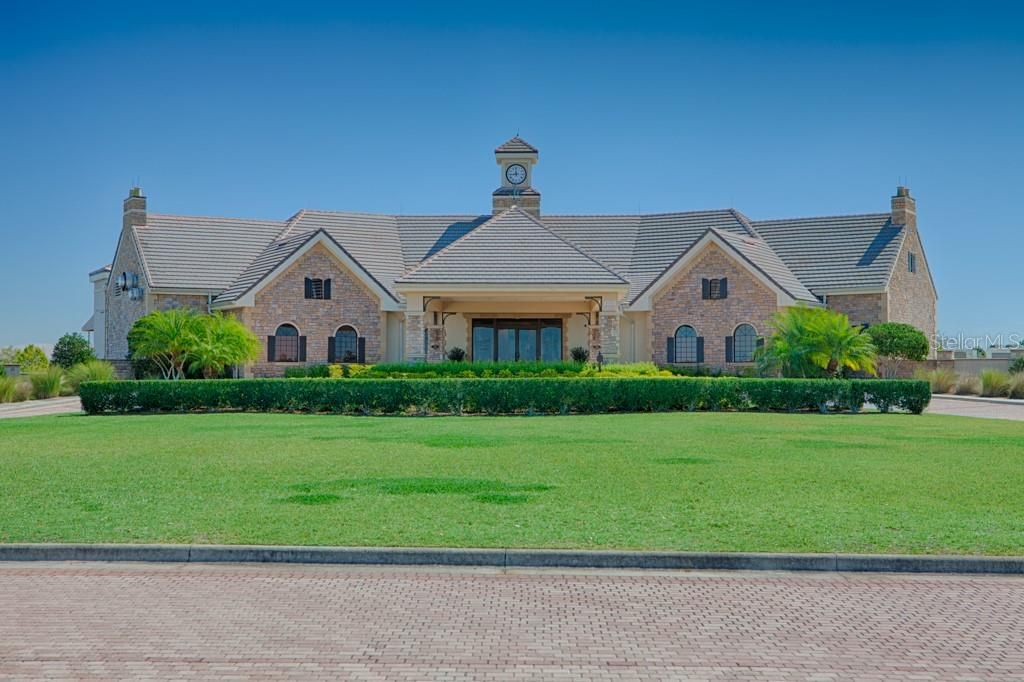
<point>515,174</point>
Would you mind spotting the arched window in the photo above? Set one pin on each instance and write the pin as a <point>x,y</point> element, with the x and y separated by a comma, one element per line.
<point>346,344</point>
<point>283,346</point>
<point>686,344</point>
<point>744,341</point>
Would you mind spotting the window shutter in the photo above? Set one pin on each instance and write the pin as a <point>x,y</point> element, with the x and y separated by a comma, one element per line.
<point>724,288</point>
<point>729,353</point>
<point>700,349</point>
<point>302,349</point>
<point>361,356</point>
<point>330,349</point>
<point>760,342</point>
<point>309,288</point>
<point>270,349</point>
<point>705,288</point>
<point>327,289</point>
<point>670,352</point>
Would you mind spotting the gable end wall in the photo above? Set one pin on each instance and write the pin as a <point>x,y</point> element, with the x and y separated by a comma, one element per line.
<point>749,301</point>
<point>283,300</point>
<point>911,298</point>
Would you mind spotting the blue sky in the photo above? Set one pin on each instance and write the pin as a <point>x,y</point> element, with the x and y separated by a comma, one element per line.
<point>259,109</point>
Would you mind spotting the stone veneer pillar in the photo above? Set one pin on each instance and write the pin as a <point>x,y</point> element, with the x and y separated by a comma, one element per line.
<point>435,342</point>
<point>414,337</point>
<point>609,337</point>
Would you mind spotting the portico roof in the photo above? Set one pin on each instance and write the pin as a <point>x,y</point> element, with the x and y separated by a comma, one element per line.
<point>511,248</point>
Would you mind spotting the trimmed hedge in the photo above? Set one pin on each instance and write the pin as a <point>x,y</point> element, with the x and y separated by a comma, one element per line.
<point>503,396</point>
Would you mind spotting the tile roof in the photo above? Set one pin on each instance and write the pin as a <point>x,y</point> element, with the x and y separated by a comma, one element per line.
<point>515,145</point>
<point>760,255</point>
<point>838,252</point>
<point>803,255</point>
<point>191,252</point>
<point>511,248</point>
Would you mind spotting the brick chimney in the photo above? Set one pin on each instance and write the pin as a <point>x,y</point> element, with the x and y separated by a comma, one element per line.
<point>134,208</point>
<point>904,208</point>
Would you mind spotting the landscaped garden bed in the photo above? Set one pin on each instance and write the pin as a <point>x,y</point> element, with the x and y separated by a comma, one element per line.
<point>541,395</point>
<point>675,481</point>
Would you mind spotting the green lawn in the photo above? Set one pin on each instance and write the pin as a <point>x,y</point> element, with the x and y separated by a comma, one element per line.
<point>703,481</point>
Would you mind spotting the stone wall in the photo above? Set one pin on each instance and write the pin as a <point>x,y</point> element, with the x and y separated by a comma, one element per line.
<point>283,301</point>
<point>749,301</point>
<point>860,308</point>
<point>122,312</point>
<point>911,297</point>
<point>198,302</point>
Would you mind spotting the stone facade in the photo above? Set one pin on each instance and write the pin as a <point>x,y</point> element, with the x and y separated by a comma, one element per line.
<point>860,308</point>
<point>198,302</point>
<point>121,311</point>
<point>414,336</point>
<point>749,301</point>
<point>283,301</point>
<point>608,337</point>
<point>911,297</point>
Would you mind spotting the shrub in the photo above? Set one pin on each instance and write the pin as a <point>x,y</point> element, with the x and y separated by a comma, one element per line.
<point>556,395</point>
<point>70,350</point>
<point>456,354</point>
<point>1017,385</point>
<point>32,359</point>
<point>47,383</point>
<point>940,380</point>
<point>22,389</point>
<point>1017,366</point>
<point>7,386</point>
<point>810,342</point>
<point>896,344</point>
<point>968,385</point>
<point>579,354</point>
<point>995,384</point>
<point>93,370</point>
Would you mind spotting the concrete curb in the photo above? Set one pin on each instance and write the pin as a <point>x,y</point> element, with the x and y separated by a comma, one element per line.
<point>515,558</point>
<point>979,399</point>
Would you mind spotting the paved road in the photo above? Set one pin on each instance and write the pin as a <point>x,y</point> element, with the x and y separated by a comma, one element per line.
<point>975,408</point>
<point>38,408</point>
<point>117,621</point>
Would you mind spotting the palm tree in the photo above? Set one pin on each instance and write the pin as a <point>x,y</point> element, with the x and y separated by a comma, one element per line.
<point>165,337</point>
<point>839,346</point>
<point>221,341</point>
<point>811,341</point>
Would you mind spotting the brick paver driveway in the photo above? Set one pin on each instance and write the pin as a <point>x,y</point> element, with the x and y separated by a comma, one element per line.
<point>172,621</point>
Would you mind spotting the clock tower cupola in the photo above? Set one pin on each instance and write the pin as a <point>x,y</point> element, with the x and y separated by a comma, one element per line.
<point>516,159</point>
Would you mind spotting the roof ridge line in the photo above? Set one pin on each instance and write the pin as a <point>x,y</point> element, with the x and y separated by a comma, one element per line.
<point>568,243</point>
<point>437,253</point>
<point>213,217</point>
<point>822,217</point>
<point>289,224</point>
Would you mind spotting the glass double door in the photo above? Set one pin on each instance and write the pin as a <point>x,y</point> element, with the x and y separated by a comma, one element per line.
<point>507,340</point>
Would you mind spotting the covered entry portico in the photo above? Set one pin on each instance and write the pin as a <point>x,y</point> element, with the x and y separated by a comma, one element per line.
<point>524,325</point>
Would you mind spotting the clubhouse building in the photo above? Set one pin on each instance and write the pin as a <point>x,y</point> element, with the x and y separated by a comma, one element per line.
<point>695,287</point>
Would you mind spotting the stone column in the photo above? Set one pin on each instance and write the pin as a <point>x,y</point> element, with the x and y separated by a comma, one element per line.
<point>414,337</point>
<point>594,335</point>
<point>609,336</point>
<point>435,339</point>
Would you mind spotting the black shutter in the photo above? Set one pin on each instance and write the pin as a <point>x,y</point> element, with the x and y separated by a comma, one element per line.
<point>728,349</point>
<point>309,288</point>
<point>670,352</point>
<point>700,349</point>
<point>302,349</point>
<point>705,288</point>
<point>327,289</point>
<point>361,357</point>
<point>723,291</point>
<point>330,349</point>
<point>270,349</point>
<point>760,342</point>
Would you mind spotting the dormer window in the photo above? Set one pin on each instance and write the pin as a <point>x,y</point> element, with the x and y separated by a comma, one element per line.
<point>714,289</point>
<point>319,289</point>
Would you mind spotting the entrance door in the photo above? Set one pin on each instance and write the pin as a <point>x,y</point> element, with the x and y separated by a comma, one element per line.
<point>509,340</point>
